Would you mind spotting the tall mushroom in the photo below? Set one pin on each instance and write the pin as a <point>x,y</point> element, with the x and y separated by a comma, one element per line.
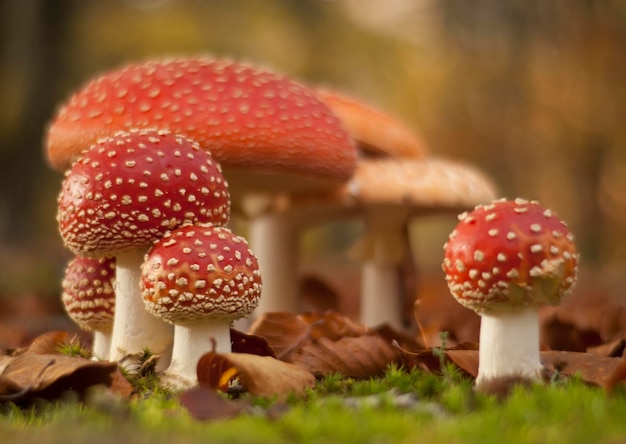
<point>269,133</point>
<point>89,299</point>
<point>123,194</point>
<point>504,260</point>
<point>388,193</point>
<point>199,278</point>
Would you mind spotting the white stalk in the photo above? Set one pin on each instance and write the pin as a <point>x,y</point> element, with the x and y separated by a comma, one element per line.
<point>381,251</point>
<point>509,345</point>
<point>274,240</point>
<point>190,343</point>
<point>381,295</point>
<point>134,328</point>
<point>101,344</point>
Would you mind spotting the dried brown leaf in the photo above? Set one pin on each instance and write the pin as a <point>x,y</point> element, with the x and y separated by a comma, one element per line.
<point>49,343</point>
<point>283,331</point>
<point>612,349</point>
<point>617,376</point>
<point>288,332</point>
<point>464,356</point>
<point>216,372</point>
<point>252,344</point>
<point>332,325</point>
<point>120,385</point>
<point>259,375</point>
<point>593,369</point>
<point>356,357</point>
<point>48,376</point>
<point>205,404</point>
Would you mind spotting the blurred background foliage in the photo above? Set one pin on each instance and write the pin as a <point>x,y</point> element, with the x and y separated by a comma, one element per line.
<point>533,92</point>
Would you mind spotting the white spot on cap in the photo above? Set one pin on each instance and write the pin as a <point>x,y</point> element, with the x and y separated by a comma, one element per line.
<point>512,273</point>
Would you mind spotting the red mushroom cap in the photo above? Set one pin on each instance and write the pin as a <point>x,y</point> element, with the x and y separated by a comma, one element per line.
<point>246,117</point>
<point>376,132</point>
<point>510,253</point>
<point>130,189</point>
<point>201,272</point>
<point>88,292</point>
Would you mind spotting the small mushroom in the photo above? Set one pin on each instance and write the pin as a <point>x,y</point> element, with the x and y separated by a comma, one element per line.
<point>89,299</point>
<point>199,278</point>
<point>123,194</point>
<point>504,260</point>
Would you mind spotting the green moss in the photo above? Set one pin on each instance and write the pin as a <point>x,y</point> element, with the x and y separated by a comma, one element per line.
<point>400,407</point>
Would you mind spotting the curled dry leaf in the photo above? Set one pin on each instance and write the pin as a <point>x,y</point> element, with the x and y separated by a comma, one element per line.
<point>592,368</point>
<point>50,343</point>
<point>258,375</point>
<point>49,376</point>
<point>617,376</point>
<point>612,349</point>
<point>326,343</point>
<point>287,332</point>
<point>356,357</point>
<point>464,356</point>
<point>252,344</point>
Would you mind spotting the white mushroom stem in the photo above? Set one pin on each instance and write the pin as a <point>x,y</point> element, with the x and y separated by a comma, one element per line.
<point>101,344</point>
<point>190,343</point>
<point>380,296</point>
<point>274,240</point>
<point>134,328</point>
<point>381,251</point>
<point>509,345</point>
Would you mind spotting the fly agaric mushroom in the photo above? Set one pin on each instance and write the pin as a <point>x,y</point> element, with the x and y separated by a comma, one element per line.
<point>199,278</point>
<point>123,194</point>
<point>503,260</point>
<point>387,193</point>
<point>89,299</point>
<point>267,131</point>
<point>375,132</point>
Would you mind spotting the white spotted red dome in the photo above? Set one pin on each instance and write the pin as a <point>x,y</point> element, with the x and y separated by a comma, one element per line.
<point>130,189</point>
<point>510,253</point>
<point>246,117</point>
<point>201,272</point>
<point>88,292</point>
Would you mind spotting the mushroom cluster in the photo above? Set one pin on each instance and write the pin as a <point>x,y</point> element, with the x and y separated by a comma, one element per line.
<point>125,193</point>
<point>504,260</point>
<point>137,140</point>
<point>149,149</point>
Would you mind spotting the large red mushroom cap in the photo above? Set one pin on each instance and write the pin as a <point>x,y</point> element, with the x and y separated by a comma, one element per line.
<point>248,118</point>
<point>201,272</point>
<point>130,189</point>
<point>510,253</point>
<point>88,292</point>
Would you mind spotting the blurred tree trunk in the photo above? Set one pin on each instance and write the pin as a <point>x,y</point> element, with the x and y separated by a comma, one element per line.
<point>31,61</point>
